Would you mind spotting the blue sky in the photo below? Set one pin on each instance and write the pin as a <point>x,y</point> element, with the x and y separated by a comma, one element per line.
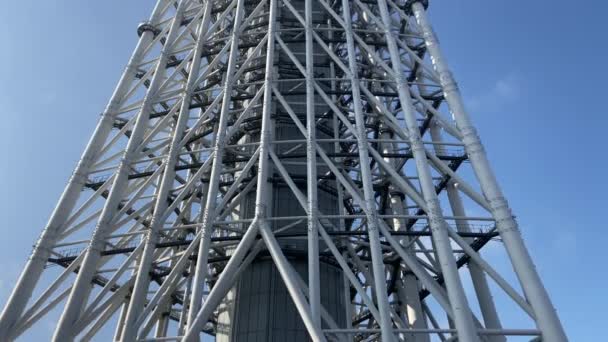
<point>531,72</point>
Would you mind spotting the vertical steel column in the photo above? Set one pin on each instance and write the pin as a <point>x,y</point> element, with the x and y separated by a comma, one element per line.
<point>480,283</point>
<point>546,317</point>
<point>462,313</point>
<point>222,286</point>
<point>82,285</point>
<point>142,281</point>
<point>291,282</point>
<point>209,215</point>
<point>228,276</point>
<point>409,293</point>
<point>348,307</point>
<point>183,317</point>
<point>378,270</point>
<point>408,289</point>
<point>35,265</point>
<point>314,272</point>
<point>411,290</point>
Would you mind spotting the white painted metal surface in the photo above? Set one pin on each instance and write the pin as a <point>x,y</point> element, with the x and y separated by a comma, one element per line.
<point>320,144</point>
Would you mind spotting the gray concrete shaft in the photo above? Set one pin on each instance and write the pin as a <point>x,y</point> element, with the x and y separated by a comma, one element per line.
<point>259,308</point>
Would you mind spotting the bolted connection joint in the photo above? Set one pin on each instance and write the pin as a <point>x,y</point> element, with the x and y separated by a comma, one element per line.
<point>407,7</point>
<point>146,26</point>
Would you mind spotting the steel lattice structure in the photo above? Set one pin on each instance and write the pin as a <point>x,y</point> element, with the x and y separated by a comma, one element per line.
<point>281,170</point>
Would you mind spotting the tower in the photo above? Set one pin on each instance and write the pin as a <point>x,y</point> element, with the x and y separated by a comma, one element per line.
<point>282,170</point>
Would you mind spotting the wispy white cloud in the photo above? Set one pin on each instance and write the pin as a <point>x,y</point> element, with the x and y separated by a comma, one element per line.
<point>505,90</point>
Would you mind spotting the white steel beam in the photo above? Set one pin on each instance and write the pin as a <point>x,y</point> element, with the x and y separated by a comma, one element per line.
<point>461,312</point>
<point>216,169</point>
<point>140,289</point>
<point>82,287</point>
<point>546,317</point>
<point>480,283</point>
<point>194,183</point>
<point>378,270</point>
<point>33,269</point>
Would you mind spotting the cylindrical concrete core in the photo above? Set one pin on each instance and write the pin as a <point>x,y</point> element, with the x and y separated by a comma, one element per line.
<point>259,308</point>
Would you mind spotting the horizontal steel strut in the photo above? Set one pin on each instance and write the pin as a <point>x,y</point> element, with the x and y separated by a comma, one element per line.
<point>282,170</point>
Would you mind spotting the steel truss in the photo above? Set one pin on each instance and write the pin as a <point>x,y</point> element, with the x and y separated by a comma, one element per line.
<point>151,232</point>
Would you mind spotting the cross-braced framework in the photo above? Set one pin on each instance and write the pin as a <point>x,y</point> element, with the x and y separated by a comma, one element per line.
<point>282,170</point>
